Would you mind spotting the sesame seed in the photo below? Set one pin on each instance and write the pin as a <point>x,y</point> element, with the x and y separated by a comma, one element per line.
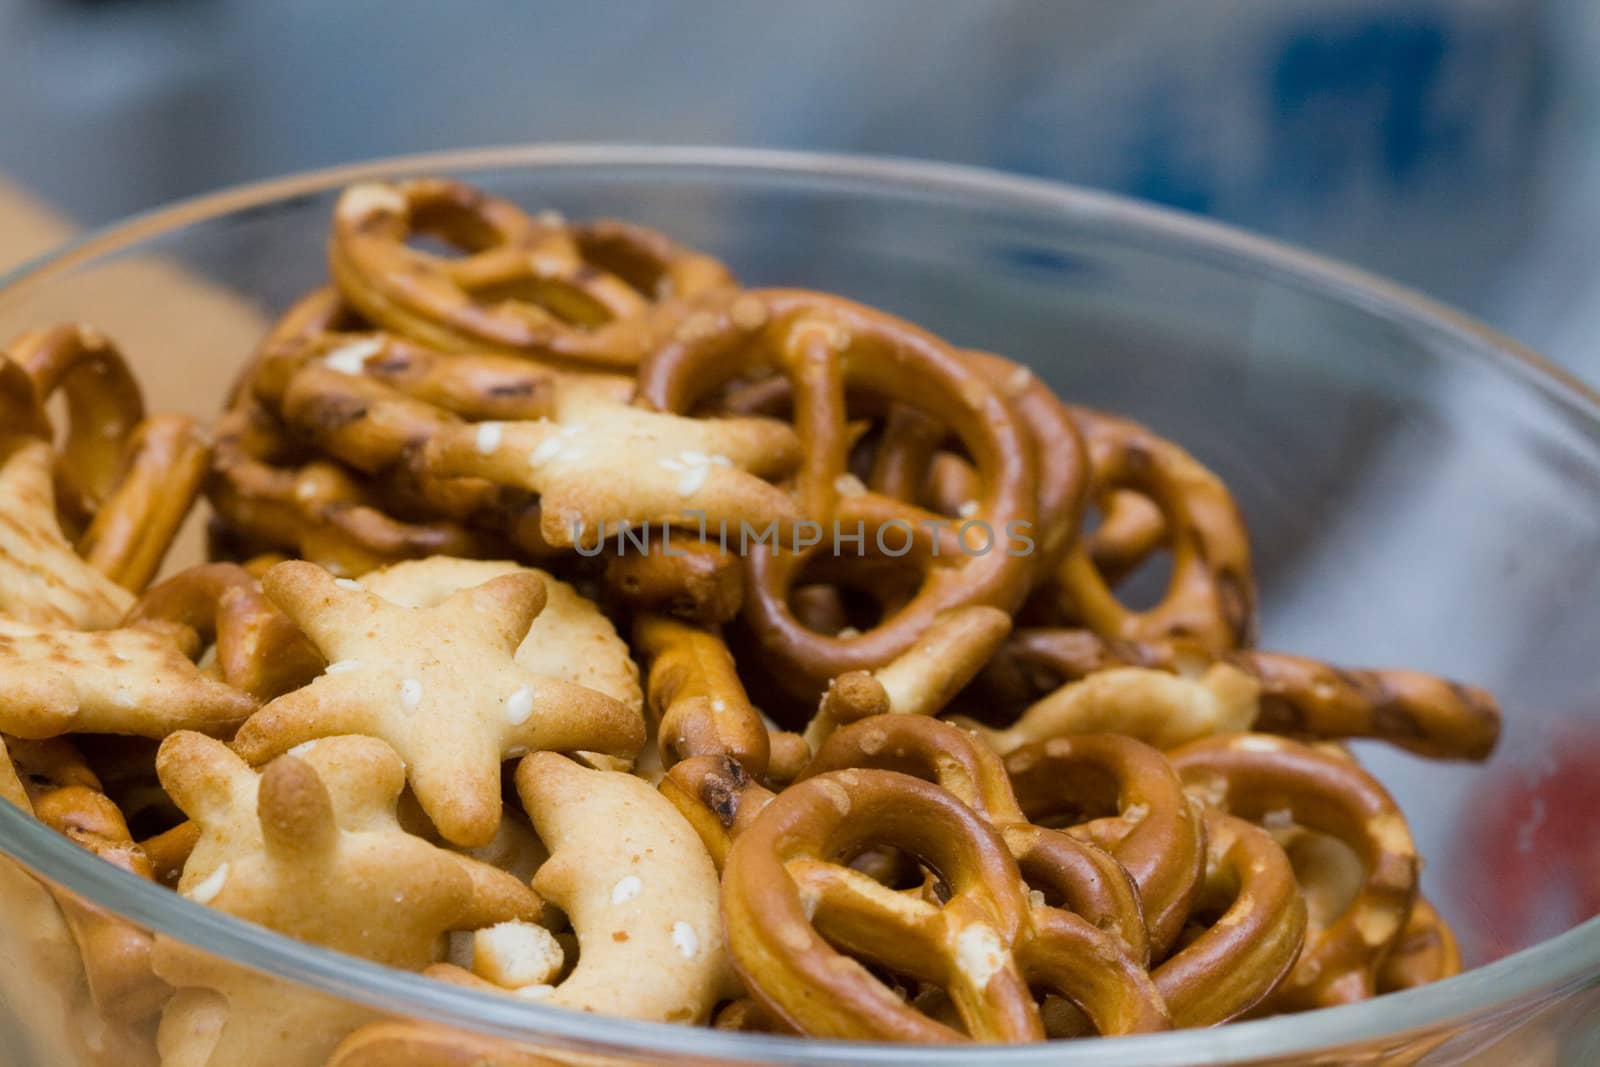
<point>717,459</point>
<point>1019,379</point>
<point>488,437</point>
<point>849,485</point>
<point>534,992</point>
<point>685,940</point>
<point>123,698</point>
<point>519,706</point>
<point>748,313</point>
<point>207,890</point>
<point>548,449</point>
<point>344,666</point>
<point>671,464</point>
<point>410,694</point>
<point>967,509</point>
<point>516,751</point>
<point>626,889</point>
<point>302,748</point>
<point>371,198</point>
<point>693,457</point>
<point>349,583</point>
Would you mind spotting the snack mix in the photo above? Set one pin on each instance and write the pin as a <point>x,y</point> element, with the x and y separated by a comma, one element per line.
<point>586,629</point>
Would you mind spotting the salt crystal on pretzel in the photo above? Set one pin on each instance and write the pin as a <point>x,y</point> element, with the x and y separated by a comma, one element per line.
<point>42,579</point>
<point>126,681</point>
<point>598,460</point>
<point>311,848</point>
<point>441,684</point>
<point>570,639</point>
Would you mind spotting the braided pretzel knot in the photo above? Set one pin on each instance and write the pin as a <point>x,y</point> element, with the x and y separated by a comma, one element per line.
<point>526,285</point>
<point>787,902</point>
<point>67,797</point>
<point>1211,596</point>
<point>827,346</point>
<point>1255,776</point>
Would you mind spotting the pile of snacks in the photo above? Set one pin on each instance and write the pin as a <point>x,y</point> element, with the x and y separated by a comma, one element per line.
<point>585,628</point>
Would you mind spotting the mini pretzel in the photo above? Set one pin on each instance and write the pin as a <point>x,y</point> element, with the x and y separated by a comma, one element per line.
<point>126,681</point>
<point>569,639</point>
<point>167,459</point>
<point>1089,881</point>
<point>317,860</point>
<point>694,580</point>
<point>1426,952</point>
<point>600,461</point>
<point>258,649</point>
<point>695,695</point>
<point>1253,775</point>
<point>1160,709</point>
<point>104,403</point>
<point>42,580</point>
<point>826,346</point>
<point>1156,835</point>
<point>1211,596</point>
<point>920,681</point>
<point>64,794</point>
<point>1420,712</point>
<point>787,903</point>
<point>525,285</point>
<point>441,684</point>
<point>1242,956</point>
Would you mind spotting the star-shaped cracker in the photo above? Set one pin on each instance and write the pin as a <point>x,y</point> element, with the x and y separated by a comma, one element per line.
<point>310,848</point>
<point>42,580</point>
<point>127,681</point>
<point>598,459</point>
<point>440,684</point>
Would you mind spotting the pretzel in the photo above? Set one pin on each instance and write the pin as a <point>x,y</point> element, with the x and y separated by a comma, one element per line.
<point>695,696</point>
<point>42,580</point>
<point>786,906</point>
<point>1420,712</point>
<point>441,684</point>
<point>1252,775</point>
<point>600,464</point>
<point>167,459</point>
<point>1211,596</point>
<point>1160,709</point>
<point>125,681</point>
<point>1155,834</point>
<point>103,402</point>
<point>920,681</point>
<point>827,346</point>
<point>1089,881</point>
<point>310,848</point>
<point>64,794</point>
<point>524,285</point>
<point>695,581</point>
<point>1240,958</point>
<point>1426,952</point>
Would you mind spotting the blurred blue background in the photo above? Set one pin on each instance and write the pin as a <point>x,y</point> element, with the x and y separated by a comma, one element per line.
<point>1453,145</point>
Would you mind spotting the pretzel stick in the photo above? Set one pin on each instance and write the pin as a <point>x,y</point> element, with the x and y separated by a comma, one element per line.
<point>168,456</point>
<point>693,690</point>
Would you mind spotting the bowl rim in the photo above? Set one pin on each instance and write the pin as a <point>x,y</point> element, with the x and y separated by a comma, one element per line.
<point>1553,965</point>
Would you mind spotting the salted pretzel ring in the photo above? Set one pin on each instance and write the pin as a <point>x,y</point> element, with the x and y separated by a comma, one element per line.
<point>525,284</point>
<point>1086,880</point>
<point>221,605</point>
<point>1157,835</point>
<point>1420,712</point>
<point>827,346</point>
<point>787,902</point>
<point>67,797</point>
<point>1256,775</point>
<point>104,403</point>
<point>1211,596</point>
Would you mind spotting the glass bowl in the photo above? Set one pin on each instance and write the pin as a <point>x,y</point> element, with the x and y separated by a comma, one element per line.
<point>1420,491</point>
